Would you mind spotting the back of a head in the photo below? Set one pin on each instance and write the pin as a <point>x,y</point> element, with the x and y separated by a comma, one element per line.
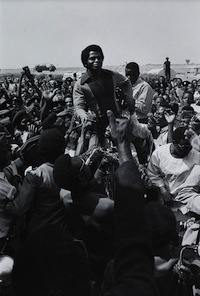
<point>50,263</point>
<point>51,144</point>
<point>87,50</point>
<point>62,172</point>
<point>179,134</point>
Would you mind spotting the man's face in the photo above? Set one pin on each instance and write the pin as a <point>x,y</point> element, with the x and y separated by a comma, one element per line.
<point>185,99</point>
<point>159,117</point>
<point>132,75</point>
<point>94,62</point>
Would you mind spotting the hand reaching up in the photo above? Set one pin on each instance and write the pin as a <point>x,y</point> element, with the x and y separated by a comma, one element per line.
<point>120,127</point>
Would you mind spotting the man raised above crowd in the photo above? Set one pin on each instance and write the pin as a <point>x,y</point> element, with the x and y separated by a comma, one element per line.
<point>141,92</point>
<point>96,89</point>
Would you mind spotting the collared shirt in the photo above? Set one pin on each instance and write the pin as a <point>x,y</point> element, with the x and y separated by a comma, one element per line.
<point>143,95</point>
<point>99,97</point>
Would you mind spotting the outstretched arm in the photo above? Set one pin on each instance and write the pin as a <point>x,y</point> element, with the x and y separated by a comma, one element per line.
<point>120,132</point>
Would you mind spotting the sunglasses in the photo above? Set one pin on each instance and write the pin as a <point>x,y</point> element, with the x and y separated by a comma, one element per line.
<point>184,146</point>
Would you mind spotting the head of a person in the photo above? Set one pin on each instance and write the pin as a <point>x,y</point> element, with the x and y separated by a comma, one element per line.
<point>160,101</point>
<point>20,120</point>
<point>92,58</point>
<point>185,85</point>
<point>68,101</point>
<point>71,173</point>
<point>132,71</point>
<point>198,86</point>
<point>179,82</point>
<point>51,144</point>
<point>194,82</point>
<point>160,117</point>
<point>50,262</point>
<point>58,103</point>
<point>181,145</point>
<point>186,114</point>
<point>195,123</point>
<point>187,98</point>
<point>166,97</point>
<point>162,79</point>
<point>52,84</point>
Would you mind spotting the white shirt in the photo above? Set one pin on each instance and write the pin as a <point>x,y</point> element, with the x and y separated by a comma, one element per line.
<point>166,170</point>
<point>143,95</point>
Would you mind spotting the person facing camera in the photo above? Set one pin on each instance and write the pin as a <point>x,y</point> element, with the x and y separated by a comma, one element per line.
<point>96,89</point>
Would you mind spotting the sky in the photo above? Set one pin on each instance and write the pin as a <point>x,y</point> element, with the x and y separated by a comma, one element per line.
<point>53,31</point>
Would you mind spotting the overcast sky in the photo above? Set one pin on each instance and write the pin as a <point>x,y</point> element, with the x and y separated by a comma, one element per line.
<point>33,32</point>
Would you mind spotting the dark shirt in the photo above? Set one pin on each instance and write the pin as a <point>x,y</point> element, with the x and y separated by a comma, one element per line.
<point>39,196</point>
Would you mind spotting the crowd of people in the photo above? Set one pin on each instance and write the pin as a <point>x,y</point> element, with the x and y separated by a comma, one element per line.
<point>96,174</point>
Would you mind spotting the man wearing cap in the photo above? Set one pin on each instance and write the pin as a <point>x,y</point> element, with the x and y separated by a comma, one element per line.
<point>96,89</point>
<point>170,166</point>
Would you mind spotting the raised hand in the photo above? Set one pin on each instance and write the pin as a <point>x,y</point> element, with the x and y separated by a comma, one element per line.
<point>169,116</point>
<point>48,94</point>
<point>120,127</point>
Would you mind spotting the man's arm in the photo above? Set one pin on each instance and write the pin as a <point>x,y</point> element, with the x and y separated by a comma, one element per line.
<point>133,252</point>
<point>79,101</point>
<point>121,132</point>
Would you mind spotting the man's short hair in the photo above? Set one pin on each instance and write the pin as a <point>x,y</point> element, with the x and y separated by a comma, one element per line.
<point>86,51</point>
<point>133,66</point>
<point>52,144</point>
<point>63,173</point>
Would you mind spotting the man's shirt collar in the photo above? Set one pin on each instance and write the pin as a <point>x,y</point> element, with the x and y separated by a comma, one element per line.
<point>87,75</point>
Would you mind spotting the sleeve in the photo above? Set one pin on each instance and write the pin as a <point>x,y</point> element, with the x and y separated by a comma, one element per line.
<point>133,255</point>
<point>154,172</point>
<point>79,101</point>
<point>144,101</point>
<point>20,205</point>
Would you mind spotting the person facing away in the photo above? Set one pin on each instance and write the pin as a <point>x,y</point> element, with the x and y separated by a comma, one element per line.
<point>96,89</point>
<point>142,92</point>
<point>166,67</point>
